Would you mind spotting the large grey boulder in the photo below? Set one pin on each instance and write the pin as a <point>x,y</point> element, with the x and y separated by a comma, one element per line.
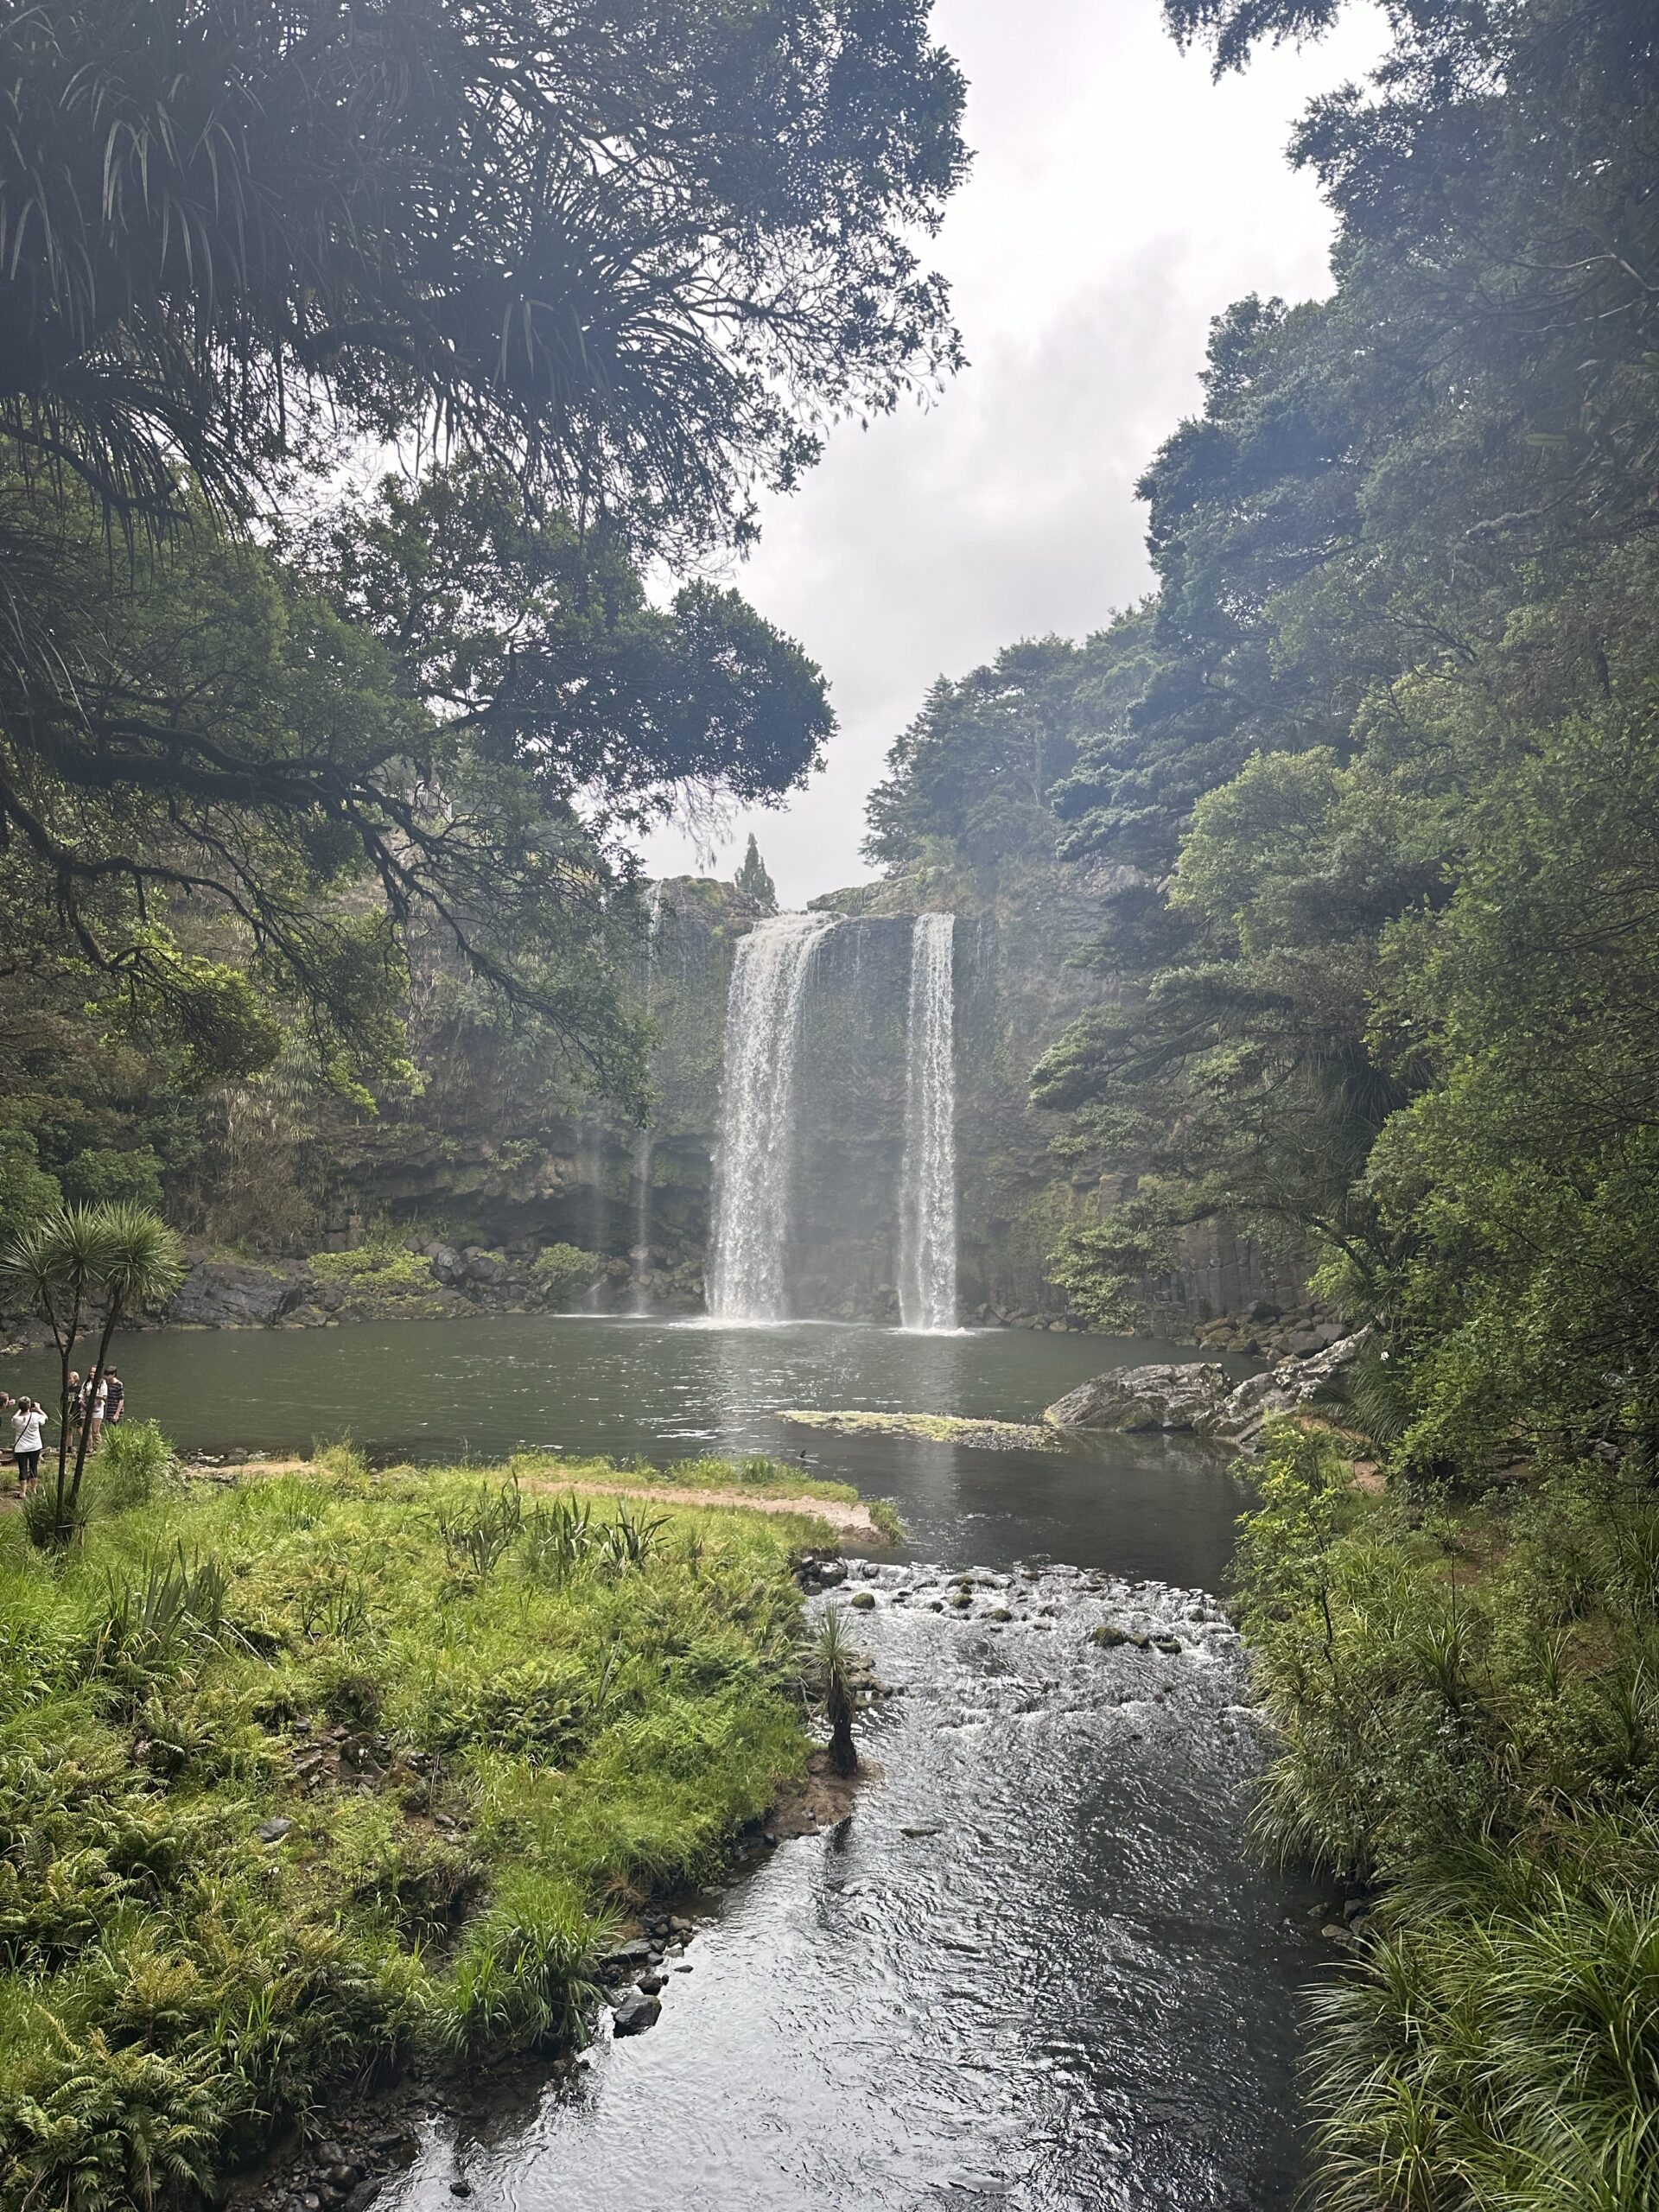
<point>1187,1395</point>
<point>447,1264</point>
<point>1292,1384</point>
<point>233,1294</point>
<point>1195,1396</point>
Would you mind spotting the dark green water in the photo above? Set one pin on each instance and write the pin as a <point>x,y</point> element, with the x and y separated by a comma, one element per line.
<point>444,1391</point>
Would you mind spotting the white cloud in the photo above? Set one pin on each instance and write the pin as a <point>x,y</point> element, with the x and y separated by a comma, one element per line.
<point>1119,200</point>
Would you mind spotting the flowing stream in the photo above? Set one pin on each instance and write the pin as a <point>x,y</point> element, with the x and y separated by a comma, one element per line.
<point>927,1213</point>
<point>1033,1968</point>
<point>1040,1965</point>
<point>755,1168</point>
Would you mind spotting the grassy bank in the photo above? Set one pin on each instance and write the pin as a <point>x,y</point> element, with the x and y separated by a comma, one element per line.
<point>305,1777</point>
<point>1466,1694</point>
<point>756,1477</point>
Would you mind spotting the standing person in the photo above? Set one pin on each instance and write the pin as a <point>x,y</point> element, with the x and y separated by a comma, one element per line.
<point>76,1406</point>
<point>95,1396</point>
<point>27,1422</point>
<point>117,1406</point>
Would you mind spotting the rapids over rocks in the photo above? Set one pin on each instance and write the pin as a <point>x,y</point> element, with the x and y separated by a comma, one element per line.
<point>1035,1967</point>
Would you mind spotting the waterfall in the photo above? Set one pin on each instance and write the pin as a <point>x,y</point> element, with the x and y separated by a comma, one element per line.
<point>927,1206</point>
<point>644,1142</point>
<point>757,1117</point>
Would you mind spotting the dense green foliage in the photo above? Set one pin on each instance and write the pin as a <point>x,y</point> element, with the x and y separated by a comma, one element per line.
<point>1384,933</point>
<point>256,759</point>
<point>493,1717</point>
<point>1465,1706</point>
<point>974,775</point>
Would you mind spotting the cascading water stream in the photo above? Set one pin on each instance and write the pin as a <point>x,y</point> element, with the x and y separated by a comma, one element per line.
<point>757,1126</point>
<point>645,1143</point>
<point>927,1204</point>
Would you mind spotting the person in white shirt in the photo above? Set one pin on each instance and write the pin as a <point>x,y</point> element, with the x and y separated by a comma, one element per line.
<point>92,1403</point>
<point>27,1422</point>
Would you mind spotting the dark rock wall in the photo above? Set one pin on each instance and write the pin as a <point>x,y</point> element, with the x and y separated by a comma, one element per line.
<point>495,1155</point>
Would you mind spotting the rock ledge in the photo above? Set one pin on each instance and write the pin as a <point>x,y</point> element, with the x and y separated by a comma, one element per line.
<point>1195,1397</point>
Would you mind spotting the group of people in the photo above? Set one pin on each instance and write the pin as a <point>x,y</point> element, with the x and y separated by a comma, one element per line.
<point>91,1403</point>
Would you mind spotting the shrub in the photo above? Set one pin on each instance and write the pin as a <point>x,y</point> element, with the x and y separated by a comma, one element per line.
<point>1501,2044</point>
<point>1467,1704</point>
<point>559,1271</point>
<point>133,1460</point>
<point>477,1536</point>
<point>382,1280</point>
<point>559,1539</point>
<point>522,1977</point>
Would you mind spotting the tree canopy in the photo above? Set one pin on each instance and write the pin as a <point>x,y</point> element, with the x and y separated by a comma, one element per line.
<point>1406,675</point>
<point>638,250</point>
<point>1364,790</point>
<point>636,258</point>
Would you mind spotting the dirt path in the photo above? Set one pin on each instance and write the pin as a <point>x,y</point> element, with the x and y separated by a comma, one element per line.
<point>850,1519</point>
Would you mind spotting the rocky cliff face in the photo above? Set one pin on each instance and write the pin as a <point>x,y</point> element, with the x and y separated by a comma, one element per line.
<point>494,1155</point>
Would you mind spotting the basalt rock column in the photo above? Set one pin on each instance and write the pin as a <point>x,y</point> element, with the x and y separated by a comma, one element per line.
<point>757,1126</point>
<point>927,1203</point>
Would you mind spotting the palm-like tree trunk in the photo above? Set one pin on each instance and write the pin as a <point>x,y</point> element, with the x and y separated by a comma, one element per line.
<point>844,1752</point>
<point>111,1319</point>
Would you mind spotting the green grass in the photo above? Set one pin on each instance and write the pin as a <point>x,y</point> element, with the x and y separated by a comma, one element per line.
<point>1465,1693</point>
<point>531,1714</point>
<point>756,1476</point>
<point>935,1428</point>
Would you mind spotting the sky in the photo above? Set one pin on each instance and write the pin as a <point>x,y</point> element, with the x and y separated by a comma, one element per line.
<point>1117,201</point>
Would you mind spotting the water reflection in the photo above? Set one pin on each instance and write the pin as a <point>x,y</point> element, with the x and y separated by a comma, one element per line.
<point>432,1391</point>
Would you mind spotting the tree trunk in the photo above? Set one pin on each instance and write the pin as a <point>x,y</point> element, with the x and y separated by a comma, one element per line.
<point>64,1337</point>
<point>92,1382</point>
<point>844,1752</point>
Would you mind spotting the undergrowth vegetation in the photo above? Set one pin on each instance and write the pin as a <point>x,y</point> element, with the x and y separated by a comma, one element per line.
<point>1465,1693</point>
<point>302,1778</point>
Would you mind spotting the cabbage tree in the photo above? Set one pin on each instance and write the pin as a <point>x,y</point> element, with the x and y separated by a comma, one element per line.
<point>85,1266</point>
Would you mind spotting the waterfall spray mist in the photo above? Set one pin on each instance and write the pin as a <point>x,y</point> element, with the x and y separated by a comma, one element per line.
<point>927,1204</point>
<point>645,1143</point>
<point>757,1124</point>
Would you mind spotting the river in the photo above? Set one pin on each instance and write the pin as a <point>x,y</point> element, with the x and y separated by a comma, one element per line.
<point>1039,1965</point>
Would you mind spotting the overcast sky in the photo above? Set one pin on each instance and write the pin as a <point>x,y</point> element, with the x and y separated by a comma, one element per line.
<point>1118,200</point>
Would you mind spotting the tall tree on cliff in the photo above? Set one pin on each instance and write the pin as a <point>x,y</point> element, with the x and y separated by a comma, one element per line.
<point>754,879</point>
<point>641,258</point>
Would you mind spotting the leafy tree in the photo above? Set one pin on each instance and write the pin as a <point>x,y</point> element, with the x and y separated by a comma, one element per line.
<point>1389,572</point>
<point>638,251</point>
<point>754,881</point>
<point>638,259</point>
<point>1521,1183</point>
<point>979,766</point>
<point>78,1266</point>
<point>27,1192</point>
<point>452,706</point>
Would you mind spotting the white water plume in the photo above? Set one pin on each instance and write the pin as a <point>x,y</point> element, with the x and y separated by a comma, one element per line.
<point>645,1143</point>
<point>927,1203</point>
<point>755,1166</point>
